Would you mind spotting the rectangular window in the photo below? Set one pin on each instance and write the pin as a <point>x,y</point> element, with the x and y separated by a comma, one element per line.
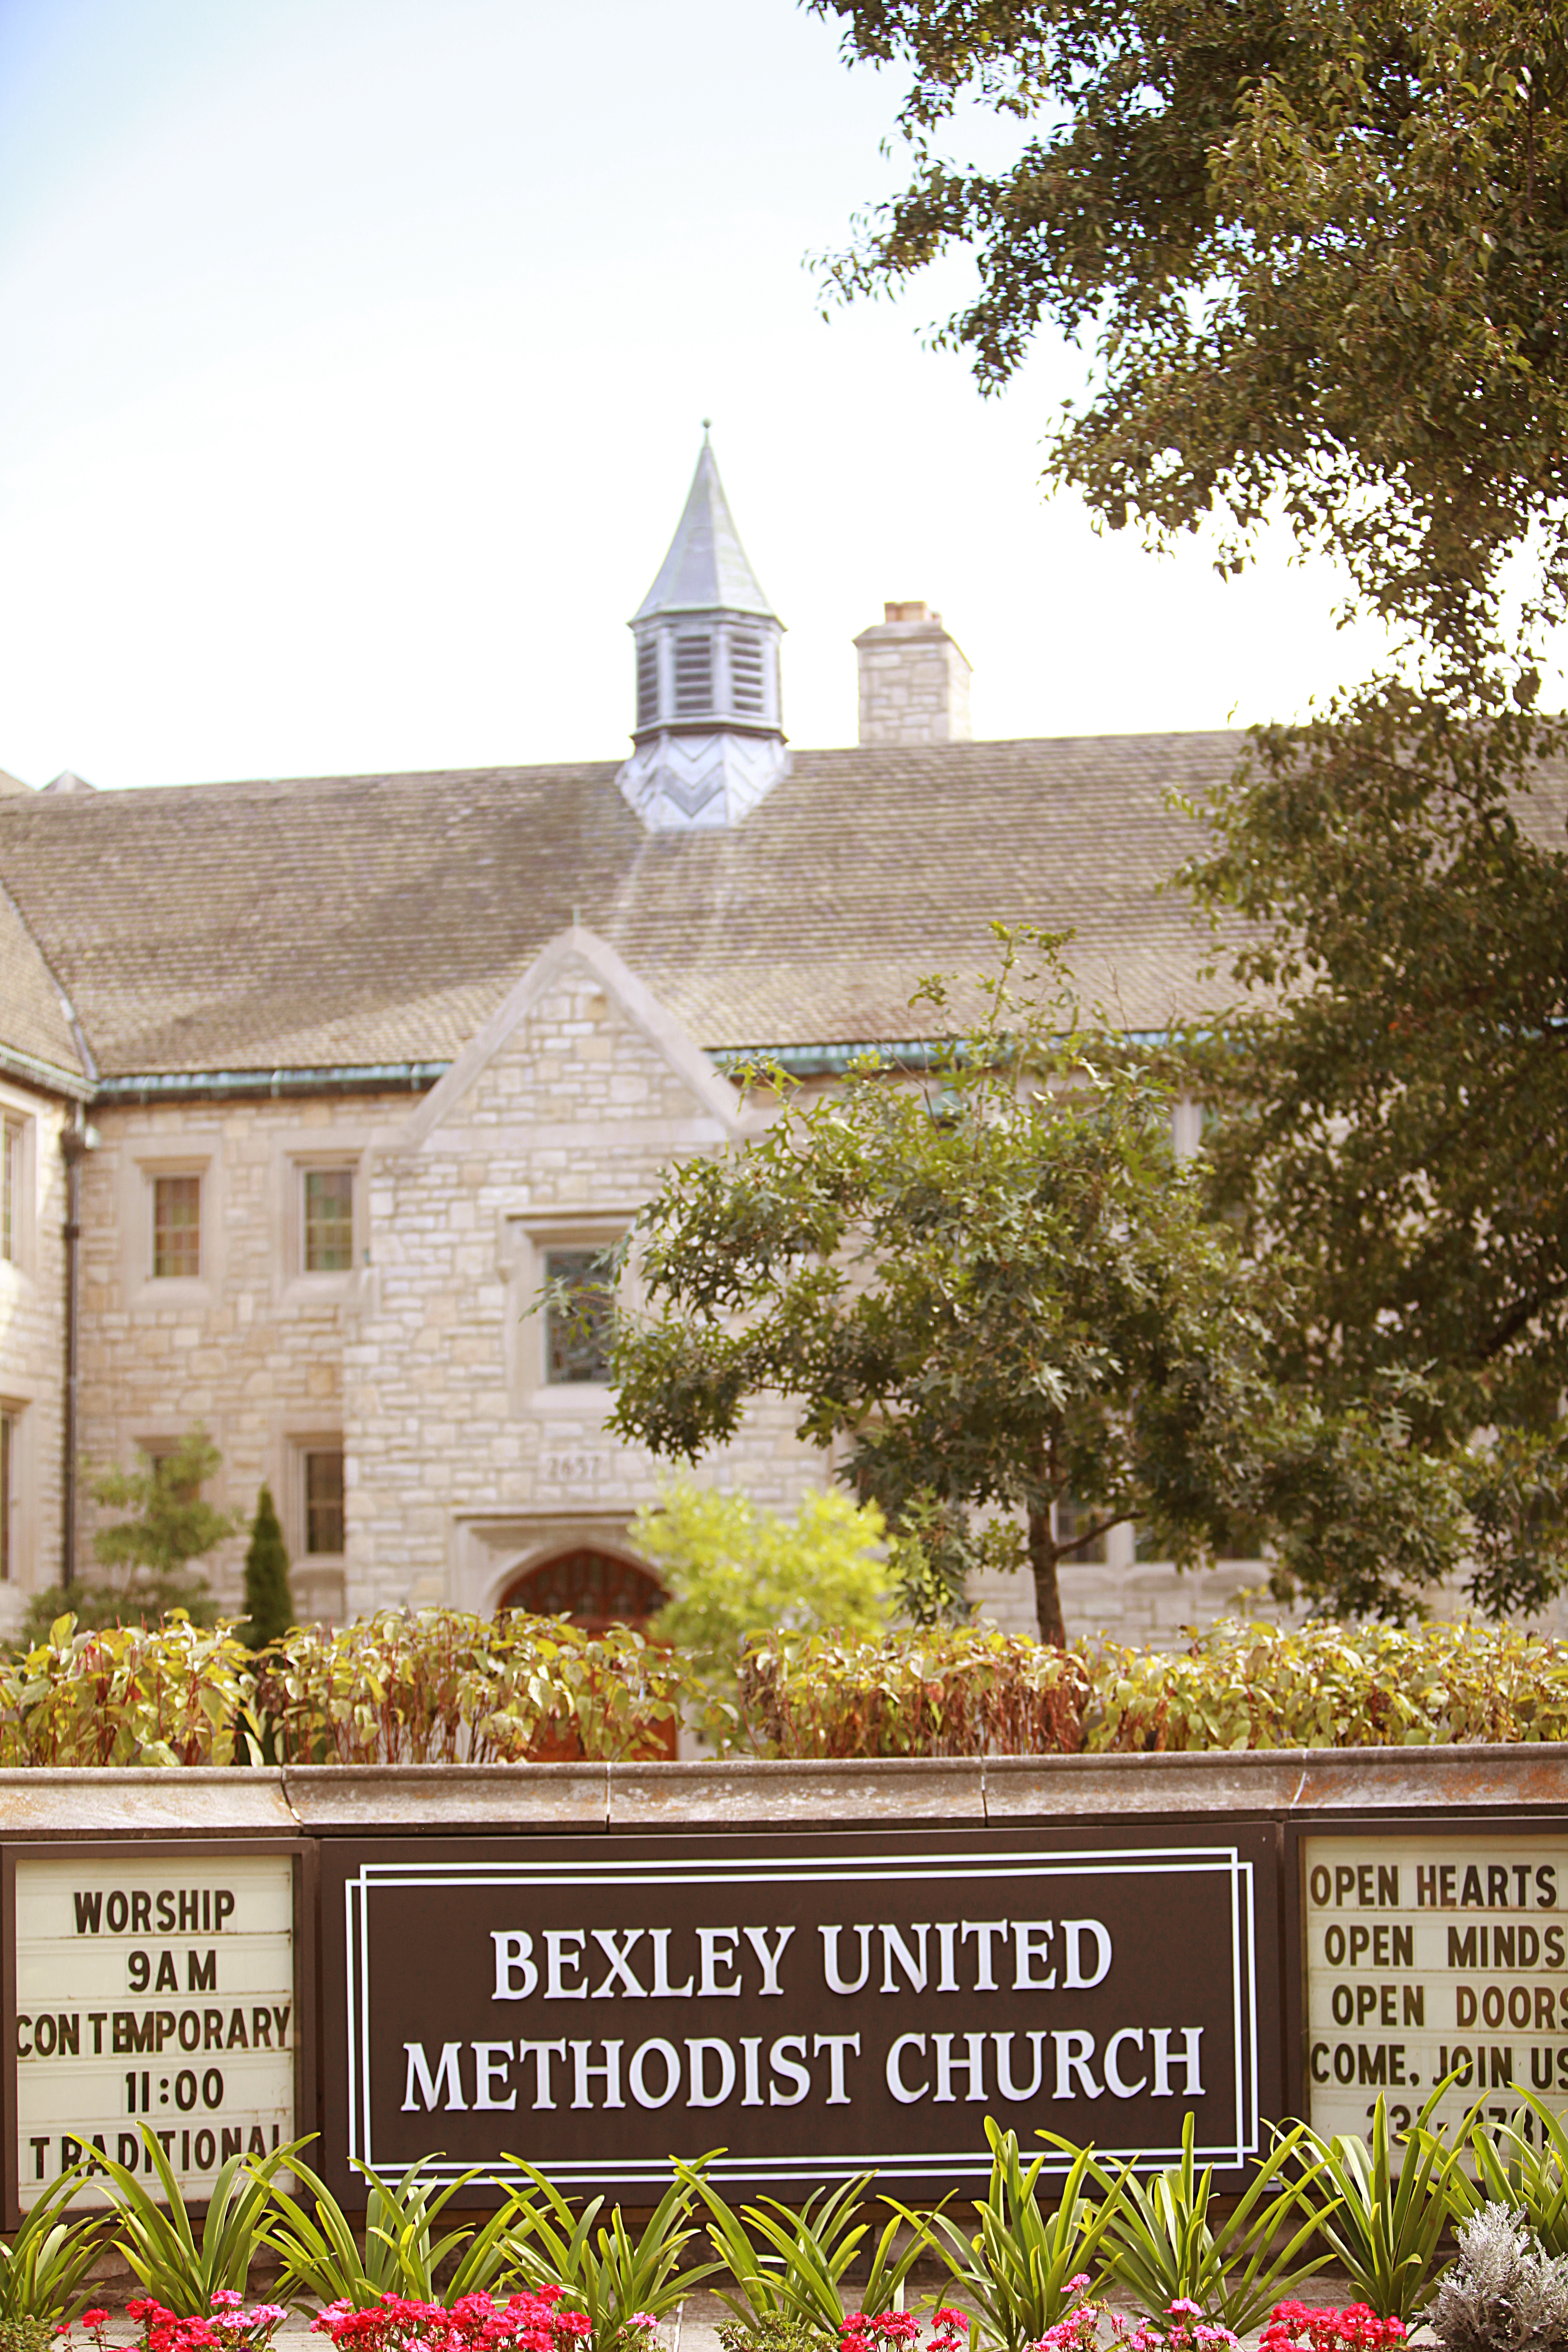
<point>176,1227</point>
<point>577,1323</point>
<point>1072,1515</point>
<point>329,1220</point>
<point>325,1500</point>
<point>10,1189</point>
<point>7,1497</point>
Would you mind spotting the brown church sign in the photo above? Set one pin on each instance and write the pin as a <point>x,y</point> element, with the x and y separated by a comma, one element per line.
<point>814,2008</point>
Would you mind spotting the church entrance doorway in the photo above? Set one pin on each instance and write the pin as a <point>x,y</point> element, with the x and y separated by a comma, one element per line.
<point>593,1588</point>
<point>596,1591</point>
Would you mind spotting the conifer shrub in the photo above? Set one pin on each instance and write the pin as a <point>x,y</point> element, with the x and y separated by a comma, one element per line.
<point>268,1604</point>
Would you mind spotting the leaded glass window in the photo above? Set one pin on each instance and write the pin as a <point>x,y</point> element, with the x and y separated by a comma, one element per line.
<point>577,1319</point>
<point>329,1220</point>
<point>176,1226</point>
<point>325,1500</point>
<point>10,1189</point>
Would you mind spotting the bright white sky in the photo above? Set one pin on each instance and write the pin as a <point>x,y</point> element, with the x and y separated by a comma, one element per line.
<point>354,359</point>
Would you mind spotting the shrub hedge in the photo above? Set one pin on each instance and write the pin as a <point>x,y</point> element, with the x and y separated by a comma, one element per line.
<point>440,1686</point>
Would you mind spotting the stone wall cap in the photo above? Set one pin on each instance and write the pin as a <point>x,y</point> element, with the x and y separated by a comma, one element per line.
<point>781,1791</point>
<point>393,1798</point>
<point>184,1801</point>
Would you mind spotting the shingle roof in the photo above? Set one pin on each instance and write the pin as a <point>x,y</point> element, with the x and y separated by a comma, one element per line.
<point>380,918</point>
<point>32,1019</point>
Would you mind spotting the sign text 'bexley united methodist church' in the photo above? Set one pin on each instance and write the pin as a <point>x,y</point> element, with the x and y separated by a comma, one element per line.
<point>812,2009</point>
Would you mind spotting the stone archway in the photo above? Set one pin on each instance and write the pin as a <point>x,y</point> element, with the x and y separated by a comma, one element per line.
<point>593,1588</point>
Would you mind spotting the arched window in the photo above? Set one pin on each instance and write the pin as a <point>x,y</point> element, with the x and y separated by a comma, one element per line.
<point>593,1588</point>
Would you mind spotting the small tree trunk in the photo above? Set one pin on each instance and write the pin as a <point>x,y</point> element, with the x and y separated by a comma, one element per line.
<point>1048,1594</point>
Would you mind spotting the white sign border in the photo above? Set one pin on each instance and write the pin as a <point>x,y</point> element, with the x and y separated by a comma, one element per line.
<point>962,2164</point>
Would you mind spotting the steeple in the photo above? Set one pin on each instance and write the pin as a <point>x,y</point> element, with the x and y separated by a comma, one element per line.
<point>707,742</point>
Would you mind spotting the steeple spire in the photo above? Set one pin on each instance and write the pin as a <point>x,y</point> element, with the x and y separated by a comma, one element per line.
<point>707,570</point>
<point>709,743</point>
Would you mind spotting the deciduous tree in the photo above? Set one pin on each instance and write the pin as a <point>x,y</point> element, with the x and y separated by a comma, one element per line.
<point>995,1289</point>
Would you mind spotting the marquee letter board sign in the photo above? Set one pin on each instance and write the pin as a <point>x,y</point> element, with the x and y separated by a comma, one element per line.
<point>156,1986</point>
<point>1430,1954</point>
<point>816,2008</point>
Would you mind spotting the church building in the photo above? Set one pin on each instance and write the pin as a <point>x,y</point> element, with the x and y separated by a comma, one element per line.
<point>306,1086</point>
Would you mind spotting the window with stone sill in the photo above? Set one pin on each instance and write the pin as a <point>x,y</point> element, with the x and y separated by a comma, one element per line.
<point>176,1228</point>
<point>323,1467</point>
<point>577,1316</point>
<point>328,1244</point>
<point>1071,1516</point>
<point>12,1138</point>
<point>9,1448</point>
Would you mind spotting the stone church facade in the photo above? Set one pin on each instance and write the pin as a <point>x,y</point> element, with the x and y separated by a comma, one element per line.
<point>307,1086</point>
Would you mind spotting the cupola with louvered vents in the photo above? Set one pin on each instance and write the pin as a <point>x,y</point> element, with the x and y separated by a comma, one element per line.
<point>708,740</point>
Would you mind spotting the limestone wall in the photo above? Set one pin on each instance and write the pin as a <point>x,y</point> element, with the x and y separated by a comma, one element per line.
<point>252,1346</point>
<point>467,1463</point>
<point>32,1345</point>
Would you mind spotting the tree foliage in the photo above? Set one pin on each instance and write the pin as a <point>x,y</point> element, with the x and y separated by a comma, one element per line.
<point>147,1554</point>
<point>1320,251</point>
<point>997,1290</point>
<point>1322,256</point>
<point>1401,1118</point>
<point>736,1571</point>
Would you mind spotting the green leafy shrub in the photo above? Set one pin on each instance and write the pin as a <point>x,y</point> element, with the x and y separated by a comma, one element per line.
<point>1018,2275</point>
<point>444,1687</point>
<point>1392,2202</point>
<point>962,1691</point>
<point>1372,1685</point>
<point>609,2273</point>
<point>321,2254</point>
<point>179,1694</point>
<point>1167,2243</point>
<point>793,2262</point>
<point>948,1691</point>
<point>179,2263</point>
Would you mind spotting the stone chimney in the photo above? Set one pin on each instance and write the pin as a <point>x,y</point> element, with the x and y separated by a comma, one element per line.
<point>914,680</point>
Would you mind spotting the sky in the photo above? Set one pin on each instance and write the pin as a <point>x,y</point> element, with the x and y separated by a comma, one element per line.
<point>353,356</point>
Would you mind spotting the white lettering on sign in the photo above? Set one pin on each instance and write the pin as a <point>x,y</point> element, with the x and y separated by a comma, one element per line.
<point>1428,1956</point>
<point>156,1992</point>
<point>812,2009</point>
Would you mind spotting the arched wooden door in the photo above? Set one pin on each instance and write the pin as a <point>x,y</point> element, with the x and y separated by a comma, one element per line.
<point>596,1591</point>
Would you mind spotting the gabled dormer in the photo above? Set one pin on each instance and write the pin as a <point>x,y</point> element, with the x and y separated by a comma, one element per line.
<point>708,735</point>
